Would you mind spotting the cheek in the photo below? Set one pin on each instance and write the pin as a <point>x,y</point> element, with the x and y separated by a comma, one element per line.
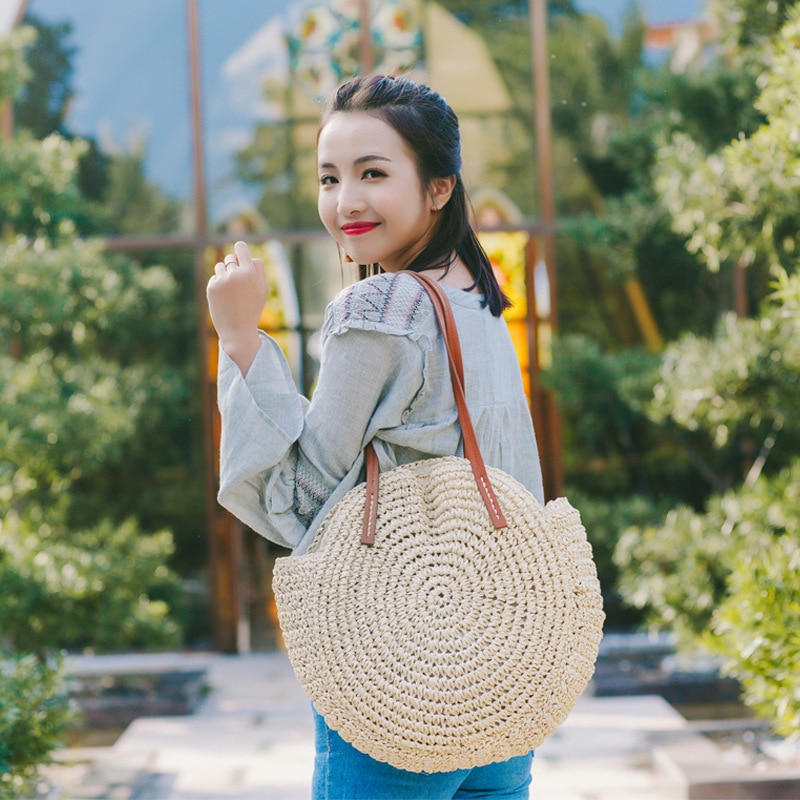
<point>324,208</point>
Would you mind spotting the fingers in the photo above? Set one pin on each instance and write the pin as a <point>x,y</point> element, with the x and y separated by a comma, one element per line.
<point>240,259</point>
<point>225,266</point>
<point>230,261</point>
<point>242,254</point>
<point>256,265</point>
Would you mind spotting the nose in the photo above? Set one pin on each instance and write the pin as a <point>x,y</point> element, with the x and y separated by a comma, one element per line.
<point>349,198</point>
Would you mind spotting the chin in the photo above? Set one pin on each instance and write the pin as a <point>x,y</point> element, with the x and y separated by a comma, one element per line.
<point>362,258</point>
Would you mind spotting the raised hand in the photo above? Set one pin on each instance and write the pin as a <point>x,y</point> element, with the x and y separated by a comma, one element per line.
<point>236,295</point>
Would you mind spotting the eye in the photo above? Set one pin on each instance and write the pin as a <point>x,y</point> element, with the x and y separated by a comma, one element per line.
<point>374,173</point>
<point>327,180</point>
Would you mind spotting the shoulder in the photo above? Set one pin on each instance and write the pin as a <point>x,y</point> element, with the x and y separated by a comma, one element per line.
<point>393,303</point>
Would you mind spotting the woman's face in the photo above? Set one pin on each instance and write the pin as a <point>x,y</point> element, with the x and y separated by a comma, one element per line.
<point>370,196</point>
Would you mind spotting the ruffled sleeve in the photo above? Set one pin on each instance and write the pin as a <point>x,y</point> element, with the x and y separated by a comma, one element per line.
<point>262,417</point>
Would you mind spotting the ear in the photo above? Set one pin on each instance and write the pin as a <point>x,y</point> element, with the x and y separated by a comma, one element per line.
<point>441,191</point>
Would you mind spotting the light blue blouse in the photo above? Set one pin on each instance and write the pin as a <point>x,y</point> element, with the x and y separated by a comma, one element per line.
<point>384,378</point>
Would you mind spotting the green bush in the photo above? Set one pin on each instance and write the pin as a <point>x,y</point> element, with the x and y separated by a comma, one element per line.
<point>729,579</point>
<point>611,449</point>
<point>757,629</point>
<point>676,571</point>
<point>104,588</point>
<point>34,714</point>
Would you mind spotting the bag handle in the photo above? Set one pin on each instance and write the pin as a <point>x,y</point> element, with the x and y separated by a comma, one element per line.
<point>447,324</point>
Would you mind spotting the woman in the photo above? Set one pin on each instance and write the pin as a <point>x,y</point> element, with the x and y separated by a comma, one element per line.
<point>392,197</point>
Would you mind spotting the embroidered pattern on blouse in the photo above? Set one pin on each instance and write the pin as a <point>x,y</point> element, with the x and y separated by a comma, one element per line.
<point>309,495</point>
<point>385,300</point>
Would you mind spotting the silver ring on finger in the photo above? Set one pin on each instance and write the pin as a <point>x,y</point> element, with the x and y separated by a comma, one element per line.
<point>230,261</point>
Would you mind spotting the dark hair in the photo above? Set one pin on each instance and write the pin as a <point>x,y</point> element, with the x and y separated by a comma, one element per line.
<point>430,129</point>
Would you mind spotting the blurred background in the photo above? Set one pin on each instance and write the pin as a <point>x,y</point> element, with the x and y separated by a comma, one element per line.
<point>634,173</point>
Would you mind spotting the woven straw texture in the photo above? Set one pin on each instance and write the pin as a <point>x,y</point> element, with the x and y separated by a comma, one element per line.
<point>448,644</point>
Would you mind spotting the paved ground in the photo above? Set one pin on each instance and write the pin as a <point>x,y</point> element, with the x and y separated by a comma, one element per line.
<point>252,739</point>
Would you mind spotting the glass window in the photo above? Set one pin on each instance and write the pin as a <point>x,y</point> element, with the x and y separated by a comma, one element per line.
<point>129,95</point>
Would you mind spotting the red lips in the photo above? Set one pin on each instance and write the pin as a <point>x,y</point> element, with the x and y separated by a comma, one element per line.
<point>357,228</point>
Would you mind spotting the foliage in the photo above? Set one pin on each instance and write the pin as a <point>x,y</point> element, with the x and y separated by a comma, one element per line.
<point>131,203</point>
<point>676,570</point>
<point>591,89</point>
<point>34,714</point>
<point>591,387</point>
<point>717,166</point>
<point>621,473</point>
<point>611,447</point>
<point>275,162</point>
<point>41,104</point>
<point>74,398</point>
<point>741,205</point>
<point>105,588</point>
<point>590,95</point>
<point>744,381</point>
<point>77,378</point>
<point>634,235</point>
<point>38,195</point>
<point>681,569</point>
<point>77,386</point>
<point>13,69</point>
<point>747,27</point>
<point>606,106</point>
<point>757,626</point>
<point>738,386</point>
<point>728,577</point>
<point>82,378</point>
<point>493,17</point>
<point>131,325</point>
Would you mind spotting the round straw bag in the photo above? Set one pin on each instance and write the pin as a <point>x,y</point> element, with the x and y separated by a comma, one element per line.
<point>460,628</point>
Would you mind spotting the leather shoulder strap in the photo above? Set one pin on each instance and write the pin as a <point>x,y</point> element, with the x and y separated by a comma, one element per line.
<point>447,325</point>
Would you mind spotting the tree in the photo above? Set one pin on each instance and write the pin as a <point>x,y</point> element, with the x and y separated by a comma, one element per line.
<point>727,574</point>
<point>35,713</point>
<point>111,195</point>
<point>747,27</point>
<point>40,105</point>
<point>131,203</point>
<point>628,234</point>
<point>78,379</point>
<point>740,207</point>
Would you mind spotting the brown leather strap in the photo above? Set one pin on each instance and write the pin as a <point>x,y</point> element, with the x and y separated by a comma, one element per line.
<point>447,324</point>
<point>371,507</point>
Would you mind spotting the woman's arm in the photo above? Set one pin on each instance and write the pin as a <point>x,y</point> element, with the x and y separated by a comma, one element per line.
<point>282,457</point>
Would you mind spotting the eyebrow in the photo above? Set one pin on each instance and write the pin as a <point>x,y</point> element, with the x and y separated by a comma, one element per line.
<point>359,160</point>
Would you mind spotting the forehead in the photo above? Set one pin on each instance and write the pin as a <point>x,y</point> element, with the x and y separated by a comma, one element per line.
<point>349,135</point>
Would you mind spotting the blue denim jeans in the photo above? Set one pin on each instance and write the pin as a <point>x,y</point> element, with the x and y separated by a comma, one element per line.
<point>343,773</point>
